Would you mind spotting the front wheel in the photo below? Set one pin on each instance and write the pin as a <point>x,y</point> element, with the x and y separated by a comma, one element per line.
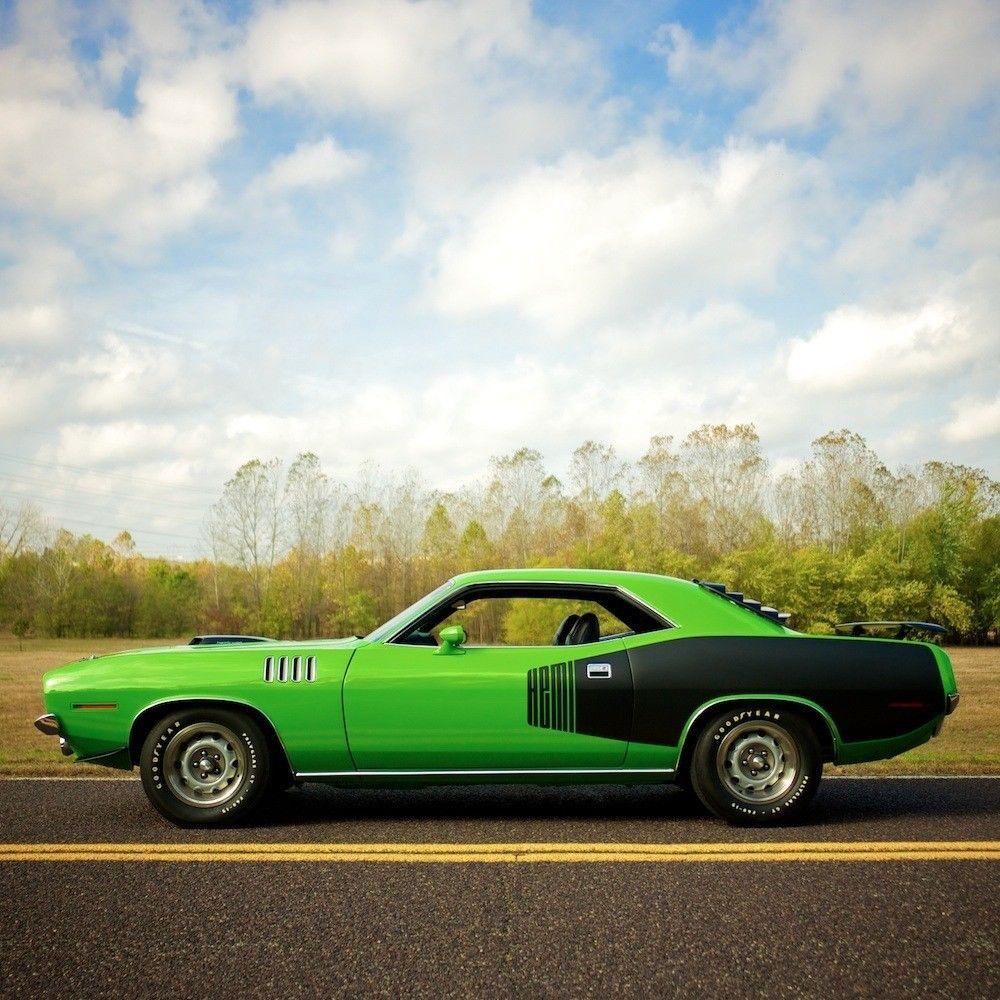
<point>201,766</point>
<point>756,766</point>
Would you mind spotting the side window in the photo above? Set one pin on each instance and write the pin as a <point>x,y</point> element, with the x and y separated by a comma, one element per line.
<point>533,615</point>
<point>528,621</point>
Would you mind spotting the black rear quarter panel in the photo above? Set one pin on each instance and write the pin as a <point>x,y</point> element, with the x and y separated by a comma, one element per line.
<point>872,689</point>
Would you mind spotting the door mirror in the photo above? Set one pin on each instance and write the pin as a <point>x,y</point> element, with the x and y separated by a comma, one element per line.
<point>451,638</point>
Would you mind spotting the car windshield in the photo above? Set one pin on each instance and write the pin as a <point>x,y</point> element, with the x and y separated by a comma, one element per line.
<point>413,611</point>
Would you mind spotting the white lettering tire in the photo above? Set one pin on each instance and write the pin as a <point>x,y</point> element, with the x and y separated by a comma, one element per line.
<point>756,765</point>
<point>205,766</point>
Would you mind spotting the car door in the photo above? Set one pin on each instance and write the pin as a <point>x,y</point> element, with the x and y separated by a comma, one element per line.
<point>504,708</point>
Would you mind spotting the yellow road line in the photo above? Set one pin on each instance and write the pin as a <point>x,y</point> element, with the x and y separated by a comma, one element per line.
<point>910,850</point>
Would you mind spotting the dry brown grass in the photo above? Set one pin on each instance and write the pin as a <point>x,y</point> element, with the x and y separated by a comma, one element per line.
<point>968,744</point>
<point>24,750</point>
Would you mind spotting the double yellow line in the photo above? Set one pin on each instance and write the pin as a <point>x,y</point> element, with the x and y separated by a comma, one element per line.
<point>904,850</point>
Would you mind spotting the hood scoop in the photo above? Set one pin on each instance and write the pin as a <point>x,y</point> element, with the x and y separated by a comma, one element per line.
<point>218,640</point>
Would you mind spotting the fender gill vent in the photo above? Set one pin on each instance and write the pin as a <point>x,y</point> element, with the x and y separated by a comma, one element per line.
<point>294,671</point>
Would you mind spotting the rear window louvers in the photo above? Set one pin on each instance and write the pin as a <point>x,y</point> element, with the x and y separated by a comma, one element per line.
<point>772,614</point>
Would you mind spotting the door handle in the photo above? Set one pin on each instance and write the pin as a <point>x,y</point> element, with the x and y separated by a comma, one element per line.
<point>599,671</point>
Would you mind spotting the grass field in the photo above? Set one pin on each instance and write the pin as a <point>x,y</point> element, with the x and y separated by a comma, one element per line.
<point>968,744</point>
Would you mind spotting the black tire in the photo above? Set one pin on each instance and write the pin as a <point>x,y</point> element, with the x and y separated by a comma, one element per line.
<point>788,768</point>
<point>234,781</point>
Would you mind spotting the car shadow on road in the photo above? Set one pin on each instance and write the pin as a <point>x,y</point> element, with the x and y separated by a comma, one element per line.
<point>839,803</point>
<point>325,804</point>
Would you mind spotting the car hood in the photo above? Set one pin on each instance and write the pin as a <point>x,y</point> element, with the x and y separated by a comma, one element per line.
<point>351,642</point>
<point>211,662</point>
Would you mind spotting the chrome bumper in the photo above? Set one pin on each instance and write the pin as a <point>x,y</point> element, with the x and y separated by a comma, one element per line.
<point>49,725</point>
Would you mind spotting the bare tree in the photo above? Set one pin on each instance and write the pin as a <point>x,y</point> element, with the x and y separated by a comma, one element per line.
<point>515,499</point>
<point>727,472</point>
<point>312,503</point>
<point>845,487</point>
<point>248,523</point>
<point>22,527</point>
<point>594,470</point>
<point>660,482</point>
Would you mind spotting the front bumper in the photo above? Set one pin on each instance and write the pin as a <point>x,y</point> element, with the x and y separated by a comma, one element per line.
<point>49,725</point>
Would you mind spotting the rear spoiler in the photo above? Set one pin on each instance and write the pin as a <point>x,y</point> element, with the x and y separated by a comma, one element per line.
<point>902,630</point>
<point>772,614</point>
<point>216,640</point>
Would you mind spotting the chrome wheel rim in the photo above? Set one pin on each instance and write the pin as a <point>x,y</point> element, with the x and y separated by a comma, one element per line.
<point>205,764</point>
<point>757,762</point>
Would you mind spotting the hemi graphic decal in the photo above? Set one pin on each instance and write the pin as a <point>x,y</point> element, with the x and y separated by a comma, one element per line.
<point>562,697</point>
<point>552,697</point>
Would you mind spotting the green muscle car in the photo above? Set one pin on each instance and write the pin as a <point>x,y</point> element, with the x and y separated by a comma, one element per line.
<point>513,676</point>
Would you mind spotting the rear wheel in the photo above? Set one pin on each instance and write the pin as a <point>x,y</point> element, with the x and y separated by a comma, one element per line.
<point>202,766</point>
<point>756,765</point>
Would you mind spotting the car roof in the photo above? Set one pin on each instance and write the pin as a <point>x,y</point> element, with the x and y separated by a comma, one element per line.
<point>682,602</point>
<point>607,577</point>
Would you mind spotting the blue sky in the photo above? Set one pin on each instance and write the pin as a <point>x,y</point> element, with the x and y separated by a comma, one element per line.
<point>425,234</point>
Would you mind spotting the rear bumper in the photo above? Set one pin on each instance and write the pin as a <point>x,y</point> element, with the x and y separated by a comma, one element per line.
<point>49,725</point>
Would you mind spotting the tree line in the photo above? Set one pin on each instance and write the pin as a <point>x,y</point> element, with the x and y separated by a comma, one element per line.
<point>291,552</point>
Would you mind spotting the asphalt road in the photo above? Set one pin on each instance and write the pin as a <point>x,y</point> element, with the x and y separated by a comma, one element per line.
<point>705,929</point>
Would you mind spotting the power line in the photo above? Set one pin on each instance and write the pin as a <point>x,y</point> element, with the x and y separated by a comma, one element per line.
<point>30,481</point>
<point>138,531</point>
<point>74,504</point>
<point>106,475</point>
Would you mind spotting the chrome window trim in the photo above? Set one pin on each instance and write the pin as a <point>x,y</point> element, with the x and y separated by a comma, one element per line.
<point>627,594</point>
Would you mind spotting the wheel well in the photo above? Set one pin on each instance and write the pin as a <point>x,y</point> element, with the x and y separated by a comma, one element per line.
<point>148,718</point>
<point>815,719</point>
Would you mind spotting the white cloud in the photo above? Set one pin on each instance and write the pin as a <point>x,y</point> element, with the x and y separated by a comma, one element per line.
<point>549,406</point>
<point>867,64</point>
<point>973,420</point>
<point>391,56</point>
<point>68,154</point>
<point>856,346</point>
<point>600,237</point>
<point>124,376</point>
<point>472,88</point>
<point>33,289</point>
<point>313,164</point>
<point>24,395</point>
<point>120,442</point>
<point>35,324</point>
<point>186,115</point>
<point>948,216</point>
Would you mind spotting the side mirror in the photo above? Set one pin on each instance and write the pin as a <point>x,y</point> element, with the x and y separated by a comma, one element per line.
<point>451,638</point>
